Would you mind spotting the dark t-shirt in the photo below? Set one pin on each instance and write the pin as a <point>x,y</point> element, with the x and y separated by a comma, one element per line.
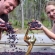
<point>4,17</point>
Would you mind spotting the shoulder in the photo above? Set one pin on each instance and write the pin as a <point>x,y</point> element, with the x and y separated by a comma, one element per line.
<point>4,17</point>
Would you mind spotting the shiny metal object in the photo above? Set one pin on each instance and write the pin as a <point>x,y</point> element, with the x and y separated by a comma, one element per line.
<point>29,42</point>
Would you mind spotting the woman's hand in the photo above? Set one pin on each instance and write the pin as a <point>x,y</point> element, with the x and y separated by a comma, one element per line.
<point>37,25</point>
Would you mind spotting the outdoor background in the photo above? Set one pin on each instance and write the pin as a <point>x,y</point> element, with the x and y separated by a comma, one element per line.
<point>28,10</point>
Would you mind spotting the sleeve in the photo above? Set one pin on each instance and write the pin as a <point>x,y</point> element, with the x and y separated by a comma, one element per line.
<point>4,17</point>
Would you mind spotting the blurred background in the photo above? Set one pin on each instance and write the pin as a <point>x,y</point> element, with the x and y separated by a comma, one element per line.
<point>28,10</point>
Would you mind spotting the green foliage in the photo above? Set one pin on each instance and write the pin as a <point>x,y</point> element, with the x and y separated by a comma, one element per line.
<point>26,23</point>
<point>15,23</point>
<point>47,23</point>
<point>43,16</point>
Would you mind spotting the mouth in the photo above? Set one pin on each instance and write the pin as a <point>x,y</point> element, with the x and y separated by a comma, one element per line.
<point>7,11</point>
<point>51,17</point>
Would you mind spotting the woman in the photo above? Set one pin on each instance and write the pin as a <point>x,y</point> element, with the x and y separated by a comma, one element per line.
<point>50,10</point>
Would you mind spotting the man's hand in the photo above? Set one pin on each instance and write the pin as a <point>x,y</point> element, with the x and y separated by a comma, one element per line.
<point>2,26</point>
<point>1,20</point>
<point>6,27</point>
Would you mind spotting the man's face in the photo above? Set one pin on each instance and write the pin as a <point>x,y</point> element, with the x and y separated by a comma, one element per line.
<point>50,10</point>
<point>8,6</point>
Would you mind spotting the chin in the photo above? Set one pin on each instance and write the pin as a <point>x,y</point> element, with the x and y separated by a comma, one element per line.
<point>6,12</point>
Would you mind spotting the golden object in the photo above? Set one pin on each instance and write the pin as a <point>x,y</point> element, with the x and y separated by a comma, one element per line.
<point>29,42</point>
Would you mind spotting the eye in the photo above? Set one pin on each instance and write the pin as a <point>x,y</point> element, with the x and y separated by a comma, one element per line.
<point>4,0</point>
<point>12,5</point>
<point>52,10</point>
<point>48,12</point>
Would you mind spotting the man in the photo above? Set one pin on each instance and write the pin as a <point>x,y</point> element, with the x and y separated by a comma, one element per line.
<point>6,6</point>
<point>50,10</point>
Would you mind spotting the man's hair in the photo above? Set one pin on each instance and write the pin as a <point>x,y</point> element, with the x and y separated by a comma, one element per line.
<point>18,1</point>
<point>49,3</point>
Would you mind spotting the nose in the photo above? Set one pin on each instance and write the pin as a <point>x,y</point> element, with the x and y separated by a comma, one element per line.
<point>51,13</point>
<point>11,8</point>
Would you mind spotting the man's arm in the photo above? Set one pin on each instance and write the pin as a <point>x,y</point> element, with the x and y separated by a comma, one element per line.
<point>1,20</point>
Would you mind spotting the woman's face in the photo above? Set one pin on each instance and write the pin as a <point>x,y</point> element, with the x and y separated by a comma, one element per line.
<point>50,10</point>
<point>9,6</point>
